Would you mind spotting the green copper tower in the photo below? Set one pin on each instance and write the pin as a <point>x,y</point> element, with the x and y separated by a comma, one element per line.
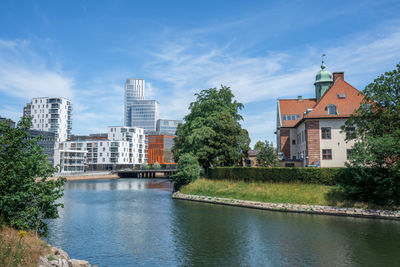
<point>323,80</point>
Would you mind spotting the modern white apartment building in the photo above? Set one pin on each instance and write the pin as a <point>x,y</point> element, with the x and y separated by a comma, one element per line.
<point>70,160</point>
<point>51,114</point>
<point>134,90</point>
<point>136,138</point>
<point>125,147</point>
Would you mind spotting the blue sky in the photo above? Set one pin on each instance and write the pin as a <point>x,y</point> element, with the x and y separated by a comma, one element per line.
<point>263,50</point>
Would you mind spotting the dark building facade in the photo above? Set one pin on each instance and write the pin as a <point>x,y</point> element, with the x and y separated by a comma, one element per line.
<point>47,142</point>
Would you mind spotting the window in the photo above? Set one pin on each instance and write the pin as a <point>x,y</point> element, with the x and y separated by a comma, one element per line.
<point>332,110</point>
<point>293,142</point>
<point>349,152</point>
<point>327,154</point>
<point>326,132</point>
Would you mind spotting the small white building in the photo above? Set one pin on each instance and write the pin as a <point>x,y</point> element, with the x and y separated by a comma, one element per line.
<point>51,114</point>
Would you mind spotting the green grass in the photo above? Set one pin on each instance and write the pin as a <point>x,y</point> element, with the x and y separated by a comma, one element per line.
<point>295,193</point>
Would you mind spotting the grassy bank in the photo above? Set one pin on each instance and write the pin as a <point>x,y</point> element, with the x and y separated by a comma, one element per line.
<point>295,193</point>
<point>20,248</point>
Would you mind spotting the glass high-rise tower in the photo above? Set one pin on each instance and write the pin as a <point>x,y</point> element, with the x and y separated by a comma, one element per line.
<point>139,112</point>
<point>134,90</point>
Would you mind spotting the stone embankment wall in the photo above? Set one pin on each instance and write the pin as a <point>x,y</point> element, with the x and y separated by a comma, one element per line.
<point>313,209</point>
<point>59,258</point>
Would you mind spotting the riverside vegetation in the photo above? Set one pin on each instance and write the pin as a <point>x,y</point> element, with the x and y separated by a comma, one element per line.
<point>371,176</point>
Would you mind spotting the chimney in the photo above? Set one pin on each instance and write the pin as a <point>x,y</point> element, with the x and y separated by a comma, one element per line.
<point>299,98</point>
<point>337,75</point>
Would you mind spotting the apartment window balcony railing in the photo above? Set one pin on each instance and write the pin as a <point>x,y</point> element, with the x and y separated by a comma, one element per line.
<point>55,116</point>
<point>55,105</point>
<point>114,149</point>
<point>115,144</point>
<point>52,111</point>
<point>114,155</point>
<point>113,160</point>
<point>54,125</point>
<point>53,120</point>
<point>53,100</point>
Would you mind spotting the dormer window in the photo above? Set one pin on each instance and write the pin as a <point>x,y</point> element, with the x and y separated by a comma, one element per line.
<point>332,110</point>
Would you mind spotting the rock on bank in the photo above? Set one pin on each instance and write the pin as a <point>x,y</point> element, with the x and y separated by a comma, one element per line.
<point>60,258</point>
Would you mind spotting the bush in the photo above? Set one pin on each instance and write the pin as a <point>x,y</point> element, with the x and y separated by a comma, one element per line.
<point>27,199</point>
<point>188,170</point>
<point>327,176</point>
<point>156,166</point>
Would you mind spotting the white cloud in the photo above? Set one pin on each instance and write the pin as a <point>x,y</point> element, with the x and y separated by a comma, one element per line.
<point>190,65</point>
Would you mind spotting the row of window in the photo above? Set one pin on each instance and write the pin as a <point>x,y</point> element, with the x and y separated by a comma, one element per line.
<point>290,117</point>
<point>327,154</point>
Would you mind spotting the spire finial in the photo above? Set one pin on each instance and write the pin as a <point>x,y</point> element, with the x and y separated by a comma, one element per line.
<point>323,62</point>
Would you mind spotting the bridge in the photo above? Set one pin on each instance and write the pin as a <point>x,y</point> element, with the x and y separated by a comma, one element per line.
<point>146,173</point>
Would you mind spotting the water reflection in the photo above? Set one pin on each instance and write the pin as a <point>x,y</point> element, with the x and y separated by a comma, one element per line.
<point>121,184</point>
<point>134,222</point>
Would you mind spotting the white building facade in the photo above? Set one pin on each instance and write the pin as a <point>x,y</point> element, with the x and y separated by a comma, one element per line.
<point>51,114</point>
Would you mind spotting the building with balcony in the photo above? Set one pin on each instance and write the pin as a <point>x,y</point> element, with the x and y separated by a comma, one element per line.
<point>51,114</point>
<point>309,130</point>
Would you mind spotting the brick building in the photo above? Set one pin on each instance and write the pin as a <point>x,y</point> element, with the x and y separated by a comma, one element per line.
<point>308,130</point>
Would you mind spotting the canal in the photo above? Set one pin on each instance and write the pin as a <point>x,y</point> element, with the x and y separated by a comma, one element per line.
<point>134,222</point>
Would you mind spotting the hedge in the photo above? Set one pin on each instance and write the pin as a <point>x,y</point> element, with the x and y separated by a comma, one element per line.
<point>328,176</point>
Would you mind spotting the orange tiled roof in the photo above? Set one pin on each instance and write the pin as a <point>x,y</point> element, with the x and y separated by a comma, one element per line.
<point>294,107</point>
<point>345,106</point>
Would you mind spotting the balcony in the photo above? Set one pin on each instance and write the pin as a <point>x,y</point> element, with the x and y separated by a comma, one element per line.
<point>114,144</point>
<point>53,111</point>
<point>114,149</point>
<point>55,116</point>
<point>114,155</point>
<point>53,100</point>
<point>55,105</point>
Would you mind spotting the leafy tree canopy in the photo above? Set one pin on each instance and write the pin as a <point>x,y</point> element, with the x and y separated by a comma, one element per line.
<point>374,167</point>
<point>188,170</point>
<point>267,157</point>
<point>212,131</point>
<point>259,145</point>
<point>26,198</point>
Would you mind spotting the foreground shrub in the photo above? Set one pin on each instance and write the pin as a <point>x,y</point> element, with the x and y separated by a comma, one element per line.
<point>327,176</point>
<point>27,199</point>
<point>20,248</point>
<point>188,170</point>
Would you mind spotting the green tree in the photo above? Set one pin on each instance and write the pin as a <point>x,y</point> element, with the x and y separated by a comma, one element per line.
<point>212,131</point>
<point>374,167</point>
<point>259,145</point>
<point>156,166</point>
<point>26,198</point>
<point>188,170</point>
<point>267,156</point>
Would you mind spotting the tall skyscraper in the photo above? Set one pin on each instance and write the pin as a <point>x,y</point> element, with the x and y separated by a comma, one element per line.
<point>51,114</point>
<point>144,114</point>
<point>134,90</point>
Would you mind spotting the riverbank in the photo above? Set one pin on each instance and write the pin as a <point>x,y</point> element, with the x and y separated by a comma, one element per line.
<point>85,176</point>
<point>21,248</point>
<point>294,197</point>
<point>298,208</point>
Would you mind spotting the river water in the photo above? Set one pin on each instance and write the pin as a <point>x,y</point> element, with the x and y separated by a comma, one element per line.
<point>134,222</point>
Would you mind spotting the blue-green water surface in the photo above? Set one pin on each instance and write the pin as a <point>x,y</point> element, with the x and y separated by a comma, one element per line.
<point>134,222</point>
